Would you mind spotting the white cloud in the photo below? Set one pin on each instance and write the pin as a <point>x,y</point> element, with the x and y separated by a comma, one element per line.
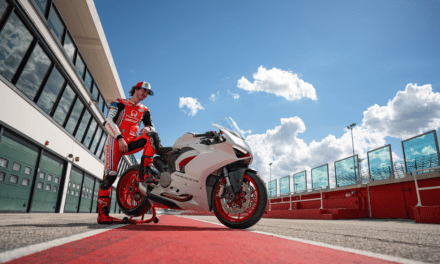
<point>411,112</point>
<point>214,96</point>
<point>192,103</point>
<point>236,96</point>
<point>278,82</point>
<point>290,154</point>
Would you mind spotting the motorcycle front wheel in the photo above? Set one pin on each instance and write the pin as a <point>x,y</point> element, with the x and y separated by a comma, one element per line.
<point>131,200</point>
<point>248,206</point>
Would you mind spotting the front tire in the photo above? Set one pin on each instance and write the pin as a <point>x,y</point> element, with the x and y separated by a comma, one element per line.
<point>247,208</point>
<point>131,200</point>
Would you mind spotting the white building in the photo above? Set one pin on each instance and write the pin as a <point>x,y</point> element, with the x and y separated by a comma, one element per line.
<point>57,76</point>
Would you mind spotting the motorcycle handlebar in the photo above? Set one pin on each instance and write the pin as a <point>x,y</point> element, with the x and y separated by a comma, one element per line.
<point>207,134</point>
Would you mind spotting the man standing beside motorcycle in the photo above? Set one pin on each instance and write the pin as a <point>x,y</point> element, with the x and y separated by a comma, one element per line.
<point>122,124</point>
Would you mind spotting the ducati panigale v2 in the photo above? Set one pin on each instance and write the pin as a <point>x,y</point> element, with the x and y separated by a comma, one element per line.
<point>201,172</point>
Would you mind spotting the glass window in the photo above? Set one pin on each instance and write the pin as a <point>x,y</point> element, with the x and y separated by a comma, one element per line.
<point>57,180</point>
<point>3,6</point>
<point>95,140</point>
<point>34,72</point>
<point>25,182</point>
<point>16,166</point>
<point>420,152</point>
<point>346,171</point>
<point>285,185</point>
<point>55,188</point>
<point>300,181</point>
<point>14,179</point>
<point>27,170</point>
<point>49,177</point>
<point>76,193</point>
<point>74,185</point>
<point>14,42</point>
<point>87,196</point>
<point>95,92</point>
<point>42,175</point>
<point>102,156</point>
<point>79,65</point>
<point>64,105</point>
<point>101,145</point>
<point>74,116</point>
<point>48,187</point>
<point>105,110</point>
<point>320,177</point>
<point>83,125</point>
<point>77,187</point>
<point>69,47</point>
<point>88,80</point>
<point>42,4</point>
<point>2,176</point>
<point>90,133</point>
<point>68,191</point>
<point>55,22</point>
<point>51,91</point>
<point>100,103</point>
<point>3,163</point>
<point>70,183</point>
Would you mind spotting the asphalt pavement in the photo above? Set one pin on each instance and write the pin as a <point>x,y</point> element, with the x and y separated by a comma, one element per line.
<point>398,238</point>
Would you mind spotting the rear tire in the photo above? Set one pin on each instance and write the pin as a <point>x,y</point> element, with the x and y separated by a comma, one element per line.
<point>131,200</point>
<point>252,213</point>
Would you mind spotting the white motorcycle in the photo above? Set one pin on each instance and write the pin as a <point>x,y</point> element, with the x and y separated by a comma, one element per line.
<point>201,172</point>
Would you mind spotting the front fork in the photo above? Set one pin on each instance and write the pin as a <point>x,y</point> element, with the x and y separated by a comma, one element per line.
<point>228,185</point>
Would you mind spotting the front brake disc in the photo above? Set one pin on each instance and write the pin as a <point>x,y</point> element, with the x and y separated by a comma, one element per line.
<point>236,209</point>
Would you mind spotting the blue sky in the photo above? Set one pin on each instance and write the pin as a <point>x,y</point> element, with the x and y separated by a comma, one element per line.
<point>294,73</point>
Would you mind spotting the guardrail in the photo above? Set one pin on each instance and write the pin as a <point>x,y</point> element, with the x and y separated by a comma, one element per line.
<point>297,201</point>
<point>425,188</point>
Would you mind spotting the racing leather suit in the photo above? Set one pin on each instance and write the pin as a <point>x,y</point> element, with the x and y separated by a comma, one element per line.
<point>123,121</point>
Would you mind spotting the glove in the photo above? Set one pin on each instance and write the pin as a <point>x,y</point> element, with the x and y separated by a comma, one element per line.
<point>146,130</point>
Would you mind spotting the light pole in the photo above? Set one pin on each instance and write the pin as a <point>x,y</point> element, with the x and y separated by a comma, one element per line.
<point>351,128</point>
<point>270,164</point>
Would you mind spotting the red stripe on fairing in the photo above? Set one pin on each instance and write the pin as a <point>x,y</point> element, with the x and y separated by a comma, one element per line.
<point>185,161</point>
<point>186,237</point>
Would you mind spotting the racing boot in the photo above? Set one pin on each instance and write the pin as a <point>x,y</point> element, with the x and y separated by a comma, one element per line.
<point>150,176</point>
<point>104,210</point>
<point>103,207</point>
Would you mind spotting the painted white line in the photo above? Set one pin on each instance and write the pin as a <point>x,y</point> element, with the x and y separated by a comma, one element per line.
<point>27,250</point>
<point>351,250</point>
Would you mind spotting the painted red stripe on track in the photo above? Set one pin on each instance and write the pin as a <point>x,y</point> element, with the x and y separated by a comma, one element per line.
<point>182,240</point>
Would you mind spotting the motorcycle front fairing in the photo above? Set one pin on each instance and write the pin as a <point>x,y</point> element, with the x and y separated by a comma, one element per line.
<point>205,161</point>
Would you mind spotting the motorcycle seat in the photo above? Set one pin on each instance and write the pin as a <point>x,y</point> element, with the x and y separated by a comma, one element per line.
<point>164,150</point>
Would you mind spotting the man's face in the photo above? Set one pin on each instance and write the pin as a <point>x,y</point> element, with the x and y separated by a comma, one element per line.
<point>142,93</point>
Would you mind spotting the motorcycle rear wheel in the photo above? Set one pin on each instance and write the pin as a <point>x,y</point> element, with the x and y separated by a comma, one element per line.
<point>131,200</point>
<point>255,209</point>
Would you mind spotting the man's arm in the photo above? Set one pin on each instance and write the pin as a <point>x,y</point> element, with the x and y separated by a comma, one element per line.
<point>109,124</point>
<point>148,122</point>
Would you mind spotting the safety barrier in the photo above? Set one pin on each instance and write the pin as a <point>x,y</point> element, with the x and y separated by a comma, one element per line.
<point>425,188</point>
<point>297,201</point>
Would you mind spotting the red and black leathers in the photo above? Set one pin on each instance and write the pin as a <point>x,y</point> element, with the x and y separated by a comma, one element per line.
<point>123,121</point>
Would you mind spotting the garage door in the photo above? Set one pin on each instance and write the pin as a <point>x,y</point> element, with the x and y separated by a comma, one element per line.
<point>18,160</point>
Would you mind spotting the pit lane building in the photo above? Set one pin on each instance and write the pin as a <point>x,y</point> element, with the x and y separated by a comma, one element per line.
<point>57,76</point>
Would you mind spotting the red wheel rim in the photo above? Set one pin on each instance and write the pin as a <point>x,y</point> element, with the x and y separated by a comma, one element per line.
<point>129,194</point>
<point>238,201</point>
